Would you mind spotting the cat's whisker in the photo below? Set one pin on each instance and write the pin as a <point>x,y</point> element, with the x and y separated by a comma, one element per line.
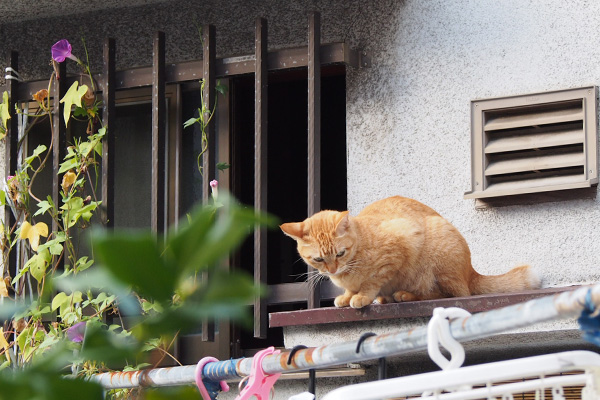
<point>299,259</point>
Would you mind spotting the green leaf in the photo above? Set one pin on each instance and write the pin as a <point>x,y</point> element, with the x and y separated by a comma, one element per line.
<point>38,264</point>
<point>222,166</point>
<point>221,88</point>
<point>82,264</point>
<point>180,393</point>
<point>24,337</point>
<point>73,97</point>
<point>102,345</point>
<point>43,383</point>
<point>190,122</point>
<point>4,114</point>
<point>54,245</point>
<point>71,163</point>
<point>43,206</point>
<point>75,209</point>
<point>36,153</point>
<point>135,259</point>
<point>80,112</point>
<point>20,274</point>
<point>213,235</point>
<point>2,198</point>
<point>59,300</point>
<point>100,279</point>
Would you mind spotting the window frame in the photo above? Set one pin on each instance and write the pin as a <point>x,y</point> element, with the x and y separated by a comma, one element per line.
<point>162,78</point>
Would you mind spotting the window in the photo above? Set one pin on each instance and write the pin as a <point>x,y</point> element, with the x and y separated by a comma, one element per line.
<point>141,192</point>
<point>534,143</point>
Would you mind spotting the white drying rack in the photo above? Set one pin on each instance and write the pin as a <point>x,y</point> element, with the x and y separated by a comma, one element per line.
<point>487,381</point>
<point>497,380</point>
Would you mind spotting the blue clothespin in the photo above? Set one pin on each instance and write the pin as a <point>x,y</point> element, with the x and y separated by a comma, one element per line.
<point>589,321</point>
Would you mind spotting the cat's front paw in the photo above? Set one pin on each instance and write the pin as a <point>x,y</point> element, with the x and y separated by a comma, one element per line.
<point>401,296</point>
<point>342,301</point>
<point>359,301</point>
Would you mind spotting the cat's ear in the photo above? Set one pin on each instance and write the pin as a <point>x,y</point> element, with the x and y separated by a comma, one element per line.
<point>295,230</point>
<point>343,224</point>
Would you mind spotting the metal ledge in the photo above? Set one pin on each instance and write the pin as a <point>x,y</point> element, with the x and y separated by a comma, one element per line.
<point>424,308</point>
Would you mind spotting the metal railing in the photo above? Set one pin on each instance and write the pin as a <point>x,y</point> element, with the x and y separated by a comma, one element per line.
<point>562,306</point>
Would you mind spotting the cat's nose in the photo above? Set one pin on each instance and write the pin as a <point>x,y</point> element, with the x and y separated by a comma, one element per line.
<point>332,268</point>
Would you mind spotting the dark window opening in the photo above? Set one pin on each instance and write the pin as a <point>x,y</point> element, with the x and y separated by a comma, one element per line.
<point>133,163</point>
<point>287,166</point>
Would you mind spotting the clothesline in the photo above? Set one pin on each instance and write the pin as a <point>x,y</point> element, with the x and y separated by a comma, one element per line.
<point>582,301</point>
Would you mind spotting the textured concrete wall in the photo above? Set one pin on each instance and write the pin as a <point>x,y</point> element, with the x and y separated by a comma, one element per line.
<point>408,115</point>
<point>408,119</point>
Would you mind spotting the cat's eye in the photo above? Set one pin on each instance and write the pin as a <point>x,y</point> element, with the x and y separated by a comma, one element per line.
<point>317,259</point>
<point>341,253</point>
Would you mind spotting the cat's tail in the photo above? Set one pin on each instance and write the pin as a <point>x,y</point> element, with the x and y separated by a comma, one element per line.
<point>517,279</point>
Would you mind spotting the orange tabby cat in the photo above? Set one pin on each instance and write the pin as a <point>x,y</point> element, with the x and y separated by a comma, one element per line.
<point>396,249</point>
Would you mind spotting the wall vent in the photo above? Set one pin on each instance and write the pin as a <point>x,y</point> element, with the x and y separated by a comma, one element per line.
<point>534,143</point>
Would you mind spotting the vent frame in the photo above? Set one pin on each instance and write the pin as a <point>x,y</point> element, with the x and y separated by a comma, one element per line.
<point>557,131</point>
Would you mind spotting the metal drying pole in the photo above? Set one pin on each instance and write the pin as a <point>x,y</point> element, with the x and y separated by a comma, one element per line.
<point>563,306</point>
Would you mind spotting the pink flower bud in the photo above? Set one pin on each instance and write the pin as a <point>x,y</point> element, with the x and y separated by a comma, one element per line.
<point>214,191</point>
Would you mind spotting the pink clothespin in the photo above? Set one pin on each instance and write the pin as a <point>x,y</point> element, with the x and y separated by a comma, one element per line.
<point>259,384</point>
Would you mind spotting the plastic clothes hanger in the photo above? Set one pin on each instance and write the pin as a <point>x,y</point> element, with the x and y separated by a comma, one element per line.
<point>259,384</point>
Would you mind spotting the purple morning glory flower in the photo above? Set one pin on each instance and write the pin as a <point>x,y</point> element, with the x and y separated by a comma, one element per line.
<point>62,50</point>
<point>76,332</point>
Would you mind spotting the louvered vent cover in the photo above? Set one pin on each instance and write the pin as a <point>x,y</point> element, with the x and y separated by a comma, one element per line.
<point>534,143</point>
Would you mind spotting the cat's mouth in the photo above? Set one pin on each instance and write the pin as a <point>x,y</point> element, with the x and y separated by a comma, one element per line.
<point>338,271</point>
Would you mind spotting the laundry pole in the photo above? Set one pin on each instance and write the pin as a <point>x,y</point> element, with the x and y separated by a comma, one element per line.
<point>561,306</point>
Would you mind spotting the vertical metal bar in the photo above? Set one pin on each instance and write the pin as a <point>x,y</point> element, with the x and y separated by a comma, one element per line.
<point>108,120</point>
<point>208,159</point>
<point>260,171</point>
<point>59,133</point>
<point>312,381</point>
<point>209,95</point>
<point>314,131</point>
<point>11,148</point>
<point>158,132</point>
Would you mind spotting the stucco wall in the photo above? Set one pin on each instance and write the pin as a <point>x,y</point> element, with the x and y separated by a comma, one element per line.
<point>408,119</point>
<point>408,114</point>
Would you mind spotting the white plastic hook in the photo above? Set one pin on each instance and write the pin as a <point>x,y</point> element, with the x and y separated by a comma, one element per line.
<point>438,333</point>
<point>11,73</point>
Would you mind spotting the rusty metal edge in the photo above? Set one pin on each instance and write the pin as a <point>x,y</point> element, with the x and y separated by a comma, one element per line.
<point>424,308</point>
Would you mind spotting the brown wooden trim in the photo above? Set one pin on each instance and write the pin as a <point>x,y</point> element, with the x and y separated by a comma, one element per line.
<point>158,133</point>
<point>260,172</point>
<point>108,120</point>
<point>208,159</point>
<point>314,132</point>
<point>410,309</point>
<point>59,135</point>
<point>333,53</point>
